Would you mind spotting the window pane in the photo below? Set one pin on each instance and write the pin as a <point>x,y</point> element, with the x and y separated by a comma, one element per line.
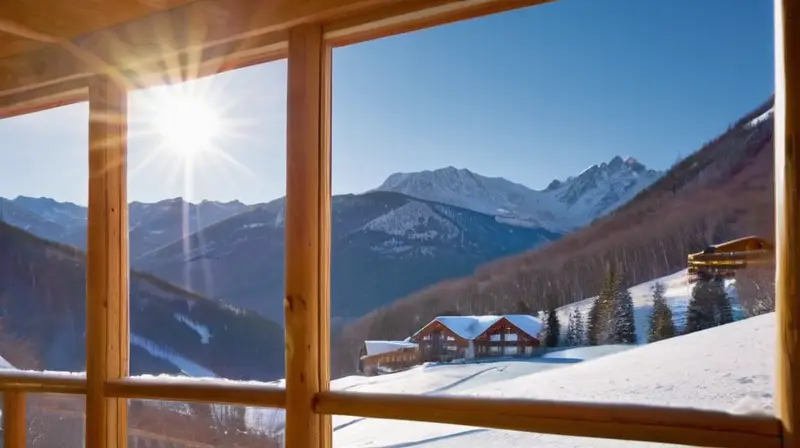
<point>527,206</point>
<point>160,423</point>
<point>206,185</point>
<point>43,198</point>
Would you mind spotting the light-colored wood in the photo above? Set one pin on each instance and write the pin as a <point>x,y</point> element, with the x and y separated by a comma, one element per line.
<point>216,35</point>
<point>187,389</point>
<point>70,19</point>
<point>307,219</point>
<point>414,15</point>
<point>324,272</point>
<point>107,331</point>
<point>787,216</point>
<point>42,382</point>
<point>15,421</point>
<point>211,36</point>
<point>630,422</point>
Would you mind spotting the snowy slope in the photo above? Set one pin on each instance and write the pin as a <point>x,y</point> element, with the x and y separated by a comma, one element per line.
<point>725,368</point>
<point>678,292</point>
<point>562,206</point>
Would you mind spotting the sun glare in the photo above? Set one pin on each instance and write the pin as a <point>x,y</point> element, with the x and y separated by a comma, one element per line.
<point>187,124</point>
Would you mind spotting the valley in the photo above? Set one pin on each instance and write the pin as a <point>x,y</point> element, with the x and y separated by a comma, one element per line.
<point>413,230</point>
<point>207,291</point>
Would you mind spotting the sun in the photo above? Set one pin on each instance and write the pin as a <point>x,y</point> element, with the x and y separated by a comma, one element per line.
<point>186,123</point>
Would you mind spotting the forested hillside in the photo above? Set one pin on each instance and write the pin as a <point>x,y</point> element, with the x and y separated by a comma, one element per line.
<point>722,191</point>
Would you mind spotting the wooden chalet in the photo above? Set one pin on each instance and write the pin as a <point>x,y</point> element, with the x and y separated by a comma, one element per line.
<point>725,259</point>
<point>446,338</point>
<point>56,52</point>
<point>378,357</point>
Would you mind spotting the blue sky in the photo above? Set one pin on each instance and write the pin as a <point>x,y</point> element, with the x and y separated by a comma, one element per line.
<point>529,95</point>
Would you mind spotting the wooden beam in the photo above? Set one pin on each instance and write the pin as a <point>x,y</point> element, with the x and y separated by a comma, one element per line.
<point>787,216</point>
<point>15,421</point>
<point>307,235</point>
<point>324,232</point>
<point>194,390</point>
<point>42,382</point>
<point>107,344</point>
<point>414,15</point>
<point>212,36</point>
<point>603,420</point>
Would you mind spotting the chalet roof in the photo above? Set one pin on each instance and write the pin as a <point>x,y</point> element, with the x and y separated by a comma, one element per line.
<point>470,327</point>
<point>378,347</point>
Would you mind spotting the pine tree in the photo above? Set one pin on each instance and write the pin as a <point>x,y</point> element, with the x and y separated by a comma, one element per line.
<point>709,306</point>
<point>661,324</point>
<point>569,338</point>
<point>553,329</point>
<point>593,322</point>
<point>574,335</point>
<point>598,326</point>
<point>580,331</point>
<point>724,307</point>
<point>607,298</point>
<point>624,324</point>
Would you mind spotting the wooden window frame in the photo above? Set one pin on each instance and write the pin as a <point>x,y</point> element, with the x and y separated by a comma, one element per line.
<point>307,398</point>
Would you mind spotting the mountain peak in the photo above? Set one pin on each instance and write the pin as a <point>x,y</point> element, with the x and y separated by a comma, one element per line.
<point>561,206</point>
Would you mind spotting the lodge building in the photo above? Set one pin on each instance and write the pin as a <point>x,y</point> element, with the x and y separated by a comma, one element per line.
<point>448,338</point>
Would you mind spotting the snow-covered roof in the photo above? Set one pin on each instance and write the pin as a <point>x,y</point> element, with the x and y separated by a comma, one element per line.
<point>470,327</point>
<point>6,365</point>
<point>529,324</point>
<point>378,347</point>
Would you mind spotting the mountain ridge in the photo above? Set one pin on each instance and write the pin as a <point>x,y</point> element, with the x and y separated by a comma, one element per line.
<point>722,191</point>
<point>242,258</point>
<point>563,206</point>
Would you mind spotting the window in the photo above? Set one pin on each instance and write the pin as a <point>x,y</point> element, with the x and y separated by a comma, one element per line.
<point>307,272</point>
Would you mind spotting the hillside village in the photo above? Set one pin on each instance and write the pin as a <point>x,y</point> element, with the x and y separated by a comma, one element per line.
<point>613,317</point>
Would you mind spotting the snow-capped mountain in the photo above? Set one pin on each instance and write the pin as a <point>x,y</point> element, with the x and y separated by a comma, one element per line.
<point>385,246</point>
<point>562,206</point>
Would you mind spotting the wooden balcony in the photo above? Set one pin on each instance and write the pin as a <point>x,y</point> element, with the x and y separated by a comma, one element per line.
<point>99,51</point>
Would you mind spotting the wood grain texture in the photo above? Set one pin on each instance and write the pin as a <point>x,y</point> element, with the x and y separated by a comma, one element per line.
<point>15,421</point>
<point>42,382</point>
<point>787,200</point>
<point>70,19</point>
<point>307,236</point>
<point>107,327</point>
<point>604,420</point>
<point>211,36</point>
<point>188,390</point>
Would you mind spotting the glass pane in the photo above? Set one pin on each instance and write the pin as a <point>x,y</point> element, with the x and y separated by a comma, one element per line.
<point>549,204</point>
<point>56,420</point>
<point>206,238</point>
<point>43,198</point>
<point>179,424</point>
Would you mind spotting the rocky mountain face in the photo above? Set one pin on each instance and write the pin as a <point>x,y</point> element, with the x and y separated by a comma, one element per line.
<point>384,245</point>
<point>414,230</point>
<point>42,304</point>
<point>562,207</point>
